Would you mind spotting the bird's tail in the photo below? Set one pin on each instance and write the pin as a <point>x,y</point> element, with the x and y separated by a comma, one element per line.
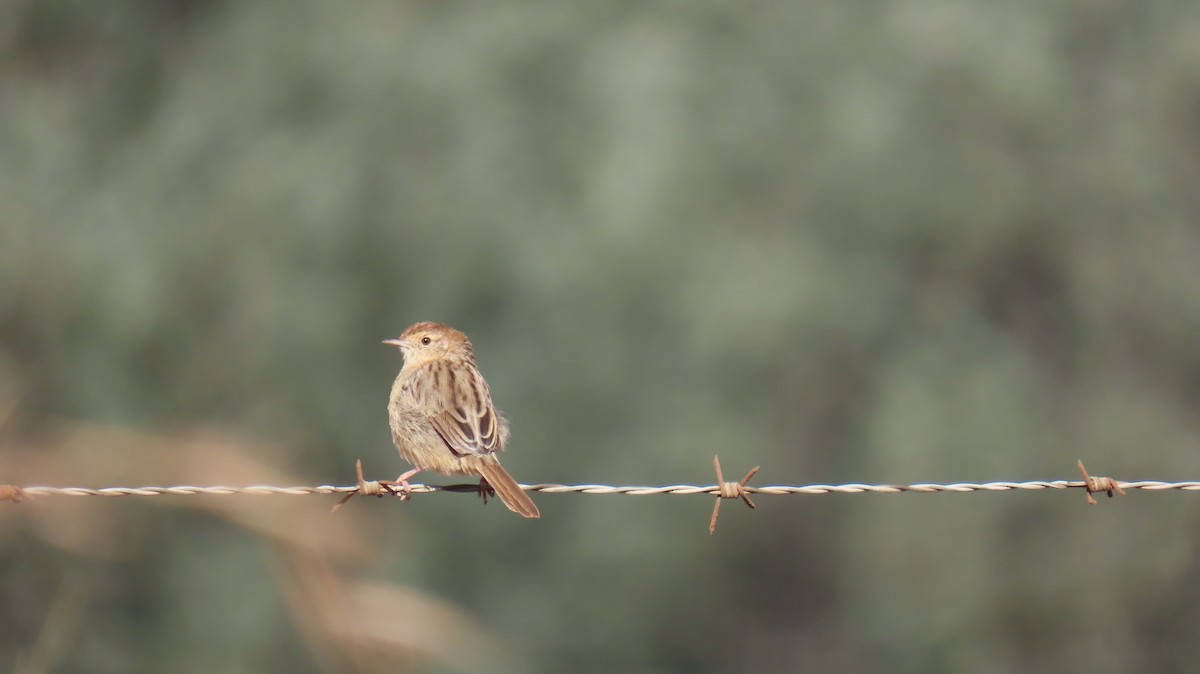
<point>507,488</point>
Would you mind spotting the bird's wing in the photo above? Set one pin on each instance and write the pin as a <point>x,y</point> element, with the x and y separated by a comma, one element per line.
<point>456,400</point>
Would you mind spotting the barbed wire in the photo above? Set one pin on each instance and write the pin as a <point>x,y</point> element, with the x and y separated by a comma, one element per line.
<point>722,490</point>
<point>633,490</point>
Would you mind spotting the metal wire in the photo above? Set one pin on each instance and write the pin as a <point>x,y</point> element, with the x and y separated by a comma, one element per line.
<point>723,490</point>
<point>675,489</point>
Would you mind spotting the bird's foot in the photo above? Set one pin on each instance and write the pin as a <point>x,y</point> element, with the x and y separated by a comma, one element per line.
<point>405,489</point>
<point>485,490</point>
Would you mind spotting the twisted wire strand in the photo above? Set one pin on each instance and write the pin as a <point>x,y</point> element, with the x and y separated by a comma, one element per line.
<point>675,489</point>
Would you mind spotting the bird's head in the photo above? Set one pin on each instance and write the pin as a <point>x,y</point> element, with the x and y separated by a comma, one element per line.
<point>427,341</point>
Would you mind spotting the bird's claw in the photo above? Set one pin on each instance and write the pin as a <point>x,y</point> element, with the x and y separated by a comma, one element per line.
<point>405,489</point>
<point>485,490</point>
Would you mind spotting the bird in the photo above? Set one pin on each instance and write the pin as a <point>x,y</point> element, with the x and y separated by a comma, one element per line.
<point>441,414</point>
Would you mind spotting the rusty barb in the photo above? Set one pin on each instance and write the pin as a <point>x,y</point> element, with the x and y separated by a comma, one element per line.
<point>1098,484</point>
<point>371,488</point>
<point>10,493</point>
<point>729,490</point>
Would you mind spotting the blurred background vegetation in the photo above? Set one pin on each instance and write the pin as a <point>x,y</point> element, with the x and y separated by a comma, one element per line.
<point>886,242</point>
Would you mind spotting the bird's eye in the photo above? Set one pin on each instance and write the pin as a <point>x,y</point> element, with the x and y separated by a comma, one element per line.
<point>425,340</point>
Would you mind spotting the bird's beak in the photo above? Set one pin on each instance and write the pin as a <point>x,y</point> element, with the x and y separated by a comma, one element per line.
<point>393,342</point>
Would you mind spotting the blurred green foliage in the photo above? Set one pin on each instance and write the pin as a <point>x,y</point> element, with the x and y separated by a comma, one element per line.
<point>893,242</point>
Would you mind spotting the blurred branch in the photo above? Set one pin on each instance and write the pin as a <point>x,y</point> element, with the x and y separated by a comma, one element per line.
<point>57,630</point>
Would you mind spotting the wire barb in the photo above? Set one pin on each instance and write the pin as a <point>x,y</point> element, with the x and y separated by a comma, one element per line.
<point>12,493</point>
<point>729,490</point>
<point>365,487</point>
<point>1098,484</point>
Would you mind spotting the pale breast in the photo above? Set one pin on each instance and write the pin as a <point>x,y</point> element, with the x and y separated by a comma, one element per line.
<point>418,442</point>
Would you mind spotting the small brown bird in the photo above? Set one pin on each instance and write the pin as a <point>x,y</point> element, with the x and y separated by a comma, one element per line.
<point>442,416</point>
